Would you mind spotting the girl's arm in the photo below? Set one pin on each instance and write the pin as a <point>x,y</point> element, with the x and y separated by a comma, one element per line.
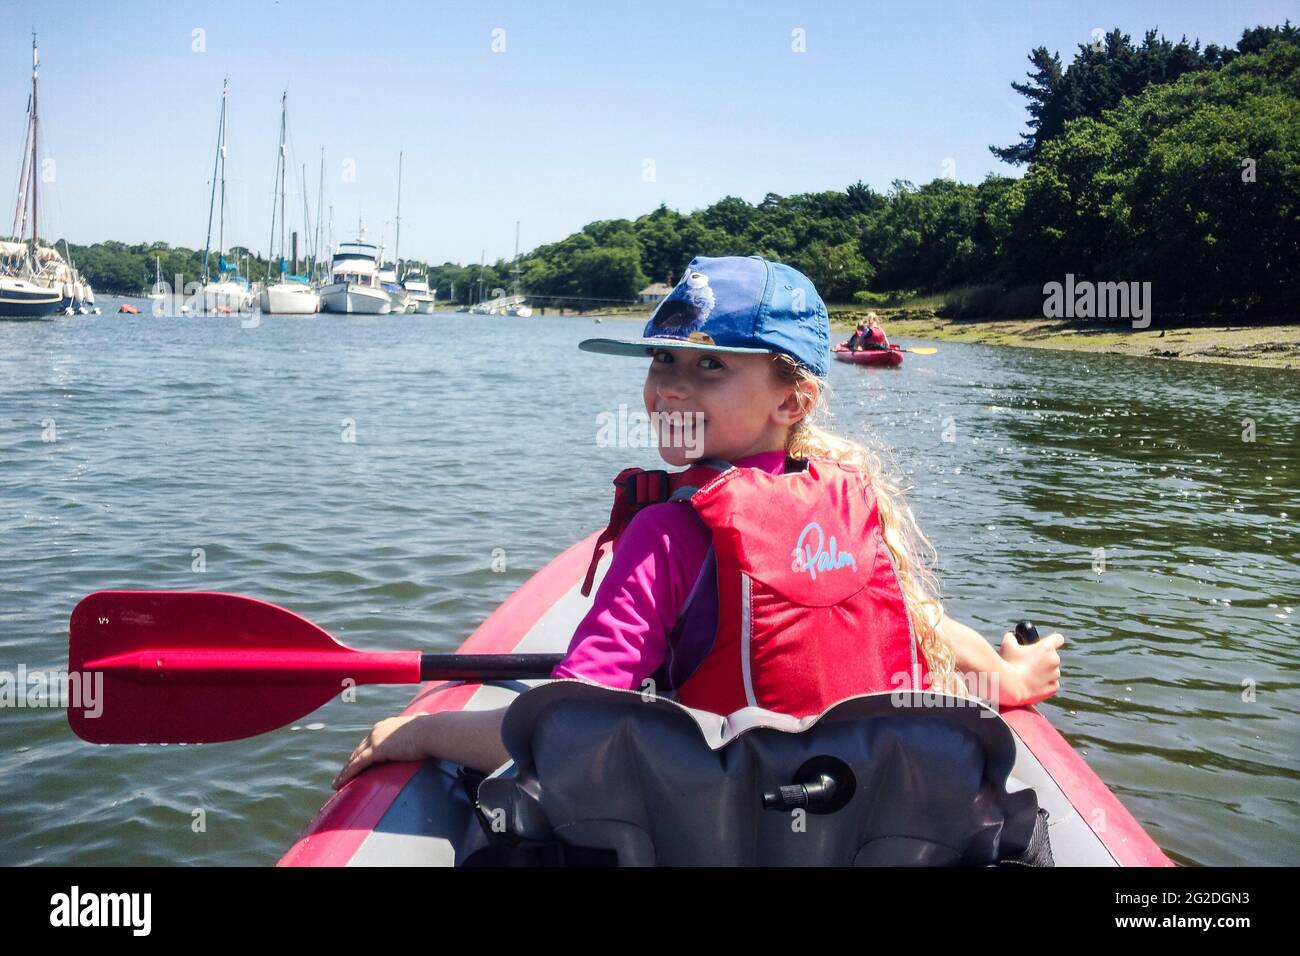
<point>1025,674</point>
<point>622,640</point>
<point>471,738</point>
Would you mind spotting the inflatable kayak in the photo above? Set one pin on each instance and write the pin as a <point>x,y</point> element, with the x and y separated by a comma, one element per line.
<point>423,814</point>
<point>891,356</point>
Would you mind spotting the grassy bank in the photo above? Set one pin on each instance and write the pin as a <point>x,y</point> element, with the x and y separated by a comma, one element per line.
<point>1189,338</point>
<point>1219,339</point>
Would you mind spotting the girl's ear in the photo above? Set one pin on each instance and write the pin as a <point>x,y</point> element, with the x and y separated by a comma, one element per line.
<point>796,405</point>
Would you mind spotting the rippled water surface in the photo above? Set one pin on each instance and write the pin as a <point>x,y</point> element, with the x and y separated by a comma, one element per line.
<point>1116,500</point>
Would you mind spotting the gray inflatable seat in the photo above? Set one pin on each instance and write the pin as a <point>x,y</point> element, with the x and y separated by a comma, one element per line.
<point>905,784</point>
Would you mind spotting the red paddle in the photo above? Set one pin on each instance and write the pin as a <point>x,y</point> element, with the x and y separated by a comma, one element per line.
<point>204,667</point>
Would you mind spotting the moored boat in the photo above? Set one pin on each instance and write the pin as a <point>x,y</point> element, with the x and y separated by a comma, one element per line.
<point>416,284</point>
<point>292,294</point>
<point>399,299</point>
<point>229,291</point>
<point>354,287</point>
<point>159,291</point>
<point>22,298</point>
<point>32,284</point>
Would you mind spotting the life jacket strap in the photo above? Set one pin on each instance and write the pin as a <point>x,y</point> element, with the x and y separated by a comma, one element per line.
<point>634,488</point>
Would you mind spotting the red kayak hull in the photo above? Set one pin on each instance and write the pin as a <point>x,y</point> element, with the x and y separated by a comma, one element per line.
<point>395,813</point>
<point>891,358</point>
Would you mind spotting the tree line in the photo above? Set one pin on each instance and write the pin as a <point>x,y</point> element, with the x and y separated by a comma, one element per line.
<point>1154,161</point>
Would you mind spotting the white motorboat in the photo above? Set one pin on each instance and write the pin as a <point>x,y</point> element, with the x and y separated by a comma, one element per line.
<point>354,287</point>
<point>423,299</point>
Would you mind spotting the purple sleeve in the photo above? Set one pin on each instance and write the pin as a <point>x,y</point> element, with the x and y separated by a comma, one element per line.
<point>624,637</point>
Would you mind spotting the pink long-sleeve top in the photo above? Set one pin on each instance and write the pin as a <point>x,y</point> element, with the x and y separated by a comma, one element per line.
<point>623,639</point>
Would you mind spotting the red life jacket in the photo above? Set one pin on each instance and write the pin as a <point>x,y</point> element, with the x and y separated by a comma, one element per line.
<point>798,603</point>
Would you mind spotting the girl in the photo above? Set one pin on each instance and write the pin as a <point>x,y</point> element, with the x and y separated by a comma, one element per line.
<point>738,356</point>
<point>875,337</point>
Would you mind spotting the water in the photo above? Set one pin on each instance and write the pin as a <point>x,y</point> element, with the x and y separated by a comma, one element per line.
<point>180,442</point>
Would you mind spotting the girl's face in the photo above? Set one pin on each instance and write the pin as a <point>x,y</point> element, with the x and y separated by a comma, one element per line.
<point>717,405</point>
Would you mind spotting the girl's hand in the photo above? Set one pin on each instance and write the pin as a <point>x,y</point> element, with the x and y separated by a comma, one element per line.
<point>1035,668</point>
<point>394,738</point>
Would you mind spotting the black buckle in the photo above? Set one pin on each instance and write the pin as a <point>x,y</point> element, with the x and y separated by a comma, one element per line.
<point>629,485</point>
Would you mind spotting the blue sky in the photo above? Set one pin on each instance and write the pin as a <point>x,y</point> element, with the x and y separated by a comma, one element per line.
<point>556,130</point>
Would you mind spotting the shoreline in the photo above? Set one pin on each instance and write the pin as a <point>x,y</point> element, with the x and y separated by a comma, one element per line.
<point>1216,339</point>
<point>1208,339</point>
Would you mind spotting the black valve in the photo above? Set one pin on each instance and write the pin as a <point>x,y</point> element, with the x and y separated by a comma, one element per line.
<point>822,785</point>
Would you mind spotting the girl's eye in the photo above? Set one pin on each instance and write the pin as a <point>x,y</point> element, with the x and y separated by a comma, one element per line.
<point>662,357</point>
<point>710,363</point>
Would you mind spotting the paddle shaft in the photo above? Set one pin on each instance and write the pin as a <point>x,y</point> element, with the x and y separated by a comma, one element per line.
<point>302,667</point>
<point>477,667</point>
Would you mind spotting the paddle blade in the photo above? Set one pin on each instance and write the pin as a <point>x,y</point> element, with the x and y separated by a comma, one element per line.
<point>114,709</point>
<point>925,350</point>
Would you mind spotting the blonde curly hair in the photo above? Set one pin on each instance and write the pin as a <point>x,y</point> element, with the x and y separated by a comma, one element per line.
<point>914,556</point>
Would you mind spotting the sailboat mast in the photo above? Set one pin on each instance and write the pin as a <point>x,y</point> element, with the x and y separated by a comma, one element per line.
<point>221,153</point>
<point>284,162</point>
<point>306,220</point>
<point>221,135</point>
<point>515,270</point>
<point>397,243</point>
<point>35,179</point>
<point>320,209</point>
<point>277,194</point>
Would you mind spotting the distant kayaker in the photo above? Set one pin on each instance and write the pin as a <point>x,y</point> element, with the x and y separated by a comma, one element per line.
<point>875,337</point>
<point>788,572</point>
<point>856,340</point>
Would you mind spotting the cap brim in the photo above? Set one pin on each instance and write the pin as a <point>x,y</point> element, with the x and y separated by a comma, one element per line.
<point>648,346</point>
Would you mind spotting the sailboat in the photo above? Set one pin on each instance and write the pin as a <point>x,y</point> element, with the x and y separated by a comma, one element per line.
<point>159,291</point>
<point>516,306</point>
<point>223,294</point>
<point>397,296</point>
<point>293,294</point>
<point>29,288</point>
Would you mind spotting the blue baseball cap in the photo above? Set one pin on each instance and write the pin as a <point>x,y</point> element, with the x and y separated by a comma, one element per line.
<point>735,304</point>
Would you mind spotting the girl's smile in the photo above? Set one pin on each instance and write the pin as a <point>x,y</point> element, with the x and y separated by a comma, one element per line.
<point>717,404</point>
